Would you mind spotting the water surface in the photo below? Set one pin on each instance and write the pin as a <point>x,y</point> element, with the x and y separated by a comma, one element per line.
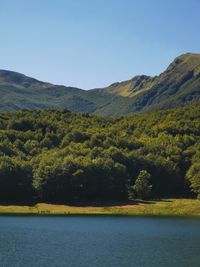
<point>94,241</point>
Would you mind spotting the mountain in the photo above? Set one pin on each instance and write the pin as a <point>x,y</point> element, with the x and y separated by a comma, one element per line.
<point>178,85</point>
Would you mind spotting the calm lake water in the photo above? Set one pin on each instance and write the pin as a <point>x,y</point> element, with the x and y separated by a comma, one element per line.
<point>99,241</point>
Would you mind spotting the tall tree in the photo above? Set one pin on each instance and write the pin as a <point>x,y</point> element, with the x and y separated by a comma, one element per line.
<point>142,187</point>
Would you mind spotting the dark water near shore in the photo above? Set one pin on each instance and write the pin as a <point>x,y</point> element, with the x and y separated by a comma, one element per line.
<point>92,241</point>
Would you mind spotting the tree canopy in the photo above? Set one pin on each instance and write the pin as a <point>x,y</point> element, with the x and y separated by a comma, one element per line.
<point>56,155</point>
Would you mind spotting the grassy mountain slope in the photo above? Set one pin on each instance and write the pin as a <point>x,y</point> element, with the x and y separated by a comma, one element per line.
<point>178,85</point>
<point>133,87</point>
<point>18,91</point>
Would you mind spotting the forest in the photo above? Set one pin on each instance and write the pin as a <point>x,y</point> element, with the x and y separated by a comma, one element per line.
<point>58,156</point>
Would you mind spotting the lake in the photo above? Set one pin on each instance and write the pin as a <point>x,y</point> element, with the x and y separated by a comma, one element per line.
<point>99,241</point>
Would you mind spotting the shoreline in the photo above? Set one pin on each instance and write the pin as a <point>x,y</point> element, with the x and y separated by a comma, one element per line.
<point>153,208</point>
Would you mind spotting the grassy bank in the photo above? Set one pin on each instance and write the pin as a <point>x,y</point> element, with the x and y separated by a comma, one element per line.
<point>167,207</point>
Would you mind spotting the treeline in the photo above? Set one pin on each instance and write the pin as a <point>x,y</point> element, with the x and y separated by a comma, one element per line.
<point>56,155</point>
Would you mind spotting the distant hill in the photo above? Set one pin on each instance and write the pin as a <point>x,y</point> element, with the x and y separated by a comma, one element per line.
<point>178,85</point>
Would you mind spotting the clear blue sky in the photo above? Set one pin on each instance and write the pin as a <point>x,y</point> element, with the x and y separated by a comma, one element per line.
<point>92,43</point>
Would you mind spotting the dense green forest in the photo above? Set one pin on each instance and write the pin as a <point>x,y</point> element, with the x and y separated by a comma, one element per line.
<point>56,155</point>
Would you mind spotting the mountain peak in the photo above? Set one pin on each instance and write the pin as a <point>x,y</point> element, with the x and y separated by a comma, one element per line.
<point>189,55</point>
<point>19,80</point>
<point>184,62</point>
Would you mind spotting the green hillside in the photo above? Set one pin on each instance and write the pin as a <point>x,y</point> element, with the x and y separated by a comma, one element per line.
<point>176,86</point>
<point>56,155</point>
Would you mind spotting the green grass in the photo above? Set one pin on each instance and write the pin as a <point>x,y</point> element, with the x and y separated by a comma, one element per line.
<point>165,207</point>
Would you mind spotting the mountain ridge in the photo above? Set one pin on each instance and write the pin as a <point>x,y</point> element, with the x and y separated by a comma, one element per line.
<point>178,85</point>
